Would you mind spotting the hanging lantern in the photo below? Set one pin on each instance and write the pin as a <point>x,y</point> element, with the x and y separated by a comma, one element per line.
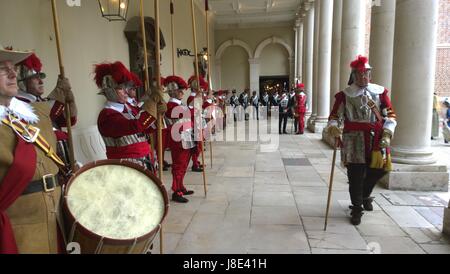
<point>114,10</point>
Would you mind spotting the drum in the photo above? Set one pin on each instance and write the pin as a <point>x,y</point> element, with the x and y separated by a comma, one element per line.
<point>114,207</point>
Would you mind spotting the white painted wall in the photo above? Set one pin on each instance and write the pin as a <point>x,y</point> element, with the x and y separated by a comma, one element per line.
<point>274,61</point>
<point>235,69</point>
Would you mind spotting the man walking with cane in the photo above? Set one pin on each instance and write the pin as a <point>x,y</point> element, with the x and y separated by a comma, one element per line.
<point>369,122</point>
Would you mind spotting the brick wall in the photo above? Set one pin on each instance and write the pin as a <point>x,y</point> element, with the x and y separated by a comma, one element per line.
<point>443,51</point>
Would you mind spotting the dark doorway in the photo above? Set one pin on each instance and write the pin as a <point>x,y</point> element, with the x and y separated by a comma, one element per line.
<point>272,84</point>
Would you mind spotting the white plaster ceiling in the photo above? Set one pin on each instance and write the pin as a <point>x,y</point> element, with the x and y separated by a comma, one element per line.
<point>254,13</point>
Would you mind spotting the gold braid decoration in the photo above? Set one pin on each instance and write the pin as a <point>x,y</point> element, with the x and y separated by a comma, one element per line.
<point>40,141</point>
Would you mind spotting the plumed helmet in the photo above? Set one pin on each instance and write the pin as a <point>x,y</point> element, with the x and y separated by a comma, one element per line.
<point>30,67</point>
<point>193,83</point>
<point>174,83</point>
<point>361,64</point>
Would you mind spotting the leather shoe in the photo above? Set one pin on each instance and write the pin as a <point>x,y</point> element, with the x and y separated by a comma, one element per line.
<point>197,169</point>
<point>188,192</point>
<point>179,199</point>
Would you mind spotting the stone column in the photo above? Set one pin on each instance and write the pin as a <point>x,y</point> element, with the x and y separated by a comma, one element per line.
<point>291,70</point>
<point>353,36</point>
<point>218,71</point>
<point>324,67</point>
<point>254,74</point>
<point>413,83</point>
<point>336,50</point>
<point>315,65</point>
<point>309,46</point>
<point>413,79</point>
<point>296,51</point>
<point>299,74</point>
<point>382,42</point>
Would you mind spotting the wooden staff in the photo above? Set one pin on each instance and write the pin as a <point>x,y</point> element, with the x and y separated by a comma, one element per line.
<point>172,26</point>
<point>147,88</point>
<point>158,89</point>
<point>194,32</point>
<point>63,74</point>
<point>330,188</point>
<point>208,74</point>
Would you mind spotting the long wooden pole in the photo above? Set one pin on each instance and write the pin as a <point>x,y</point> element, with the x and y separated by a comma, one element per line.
<point>144,44</point>
<point>208,74</point>
<point>194,32</point>
<point>158,86</point>
<point>330,187</point>
<point>63,74</point>
<point>172,26</point>
<point>147,89</point>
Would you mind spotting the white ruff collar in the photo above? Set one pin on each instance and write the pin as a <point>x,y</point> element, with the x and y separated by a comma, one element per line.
<point>175,100</point>
<point>21,109</point>
<point>355,91</point>
<point>115,106</point>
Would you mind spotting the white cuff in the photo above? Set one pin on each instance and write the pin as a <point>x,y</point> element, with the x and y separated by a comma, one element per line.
<point>333,123</point>
<point>390,124</point>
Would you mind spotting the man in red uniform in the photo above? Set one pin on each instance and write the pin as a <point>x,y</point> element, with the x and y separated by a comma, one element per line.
<point>181,136</point>
<point>124,129</point>
<point>300,108</point>
<point>369,121</point>
<point>31,89</point>
<point>197,94</point>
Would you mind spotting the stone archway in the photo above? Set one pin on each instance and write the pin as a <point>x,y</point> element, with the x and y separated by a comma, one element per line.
<point>254,67</point>
<point>222,48</point>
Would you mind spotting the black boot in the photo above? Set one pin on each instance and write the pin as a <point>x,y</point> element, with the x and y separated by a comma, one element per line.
<point>357,212</point>
<point>179,198</point>
<point>367,203</point>
<point>197,169</point>
<point>188,192</point>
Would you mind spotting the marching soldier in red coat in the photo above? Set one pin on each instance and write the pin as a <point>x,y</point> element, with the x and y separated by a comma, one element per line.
<point>124,128</point>
<point>197,94</point>
<point>300,108</point>
<point>31,88</point>
<point>29,189</point>
<point>180,140</point>
<point>365,112</point>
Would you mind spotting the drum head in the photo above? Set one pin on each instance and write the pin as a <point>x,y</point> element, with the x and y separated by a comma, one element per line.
<point>115,201</point>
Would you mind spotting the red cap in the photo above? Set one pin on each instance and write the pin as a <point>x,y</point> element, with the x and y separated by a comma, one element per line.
<point>301,85</point>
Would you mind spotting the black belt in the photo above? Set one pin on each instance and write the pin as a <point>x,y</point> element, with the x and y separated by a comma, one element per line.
<point>48,183</point>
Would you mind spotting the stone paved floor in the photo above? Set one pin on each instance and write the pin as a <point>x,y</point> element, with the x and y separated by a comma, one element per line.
<point>272,203</point>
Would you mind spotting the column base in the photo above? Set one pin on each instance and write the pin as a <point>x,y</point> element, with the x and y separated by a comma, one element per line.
<point>446,226</point>
<point>417,178</point>
<point>320,124</point>
<point>311,122</point>
<point>412,156</point>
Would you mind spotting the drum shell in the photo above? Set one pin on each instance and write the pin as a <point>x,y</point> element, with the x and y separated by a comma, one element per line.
<point>89,241</point>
